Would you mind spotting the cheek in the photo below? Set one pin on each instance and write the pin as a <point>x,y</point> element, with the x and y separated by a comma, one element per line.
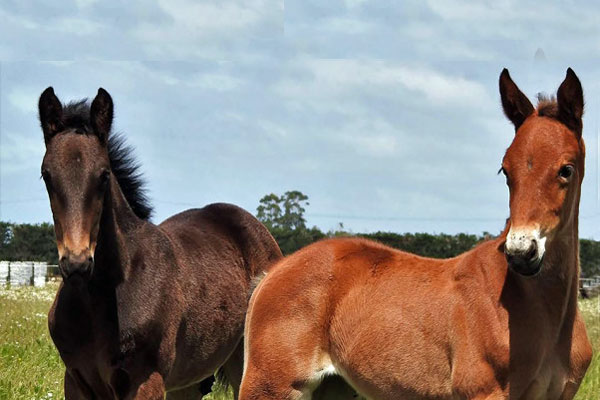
<point>558,204</point>
<point>94,219</point>
<point>57,212</point>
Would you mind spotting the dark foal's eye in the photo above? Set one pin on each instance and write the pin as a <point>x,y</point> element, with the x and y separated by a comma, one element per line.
<point>566,171</point>
<point>104,177</point>
<point>46,176</point>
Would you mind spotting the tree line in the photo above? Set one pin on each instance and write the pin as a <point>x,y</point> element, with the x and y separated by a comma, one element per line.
<point>283,215</point>
<point>27,242</point>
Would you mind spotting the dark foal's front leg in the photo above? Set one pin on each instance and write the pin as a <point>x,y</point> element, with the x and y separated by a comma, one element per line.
<point>234,368</point>
<point>73,390</point>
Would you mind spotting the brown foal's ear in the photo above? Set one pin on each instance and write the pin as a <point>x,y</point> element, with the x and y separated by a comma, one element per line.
<point>570,103</point>
<point>516,105</point>
<point>50,113</point>
<point>101,115</point>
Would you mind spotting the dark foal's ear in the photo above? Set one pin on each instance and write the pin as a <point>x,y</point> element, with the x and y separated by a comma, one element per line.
<point>516,105</point>
<point>50,111</point>
<point>570,102</point>
<point>101,114</point>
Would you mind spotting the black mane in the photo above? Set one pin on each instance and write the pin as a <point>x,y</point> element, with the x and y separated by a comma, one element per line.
<point>76,115</point>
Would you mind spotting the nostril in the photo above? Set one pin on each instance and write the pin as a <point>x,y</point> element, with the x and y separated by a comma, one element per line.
<point>532,252</point>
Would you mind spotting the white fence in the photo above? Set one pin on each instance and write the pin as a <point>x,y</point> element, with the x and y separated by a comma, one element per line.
<point>20,273</point>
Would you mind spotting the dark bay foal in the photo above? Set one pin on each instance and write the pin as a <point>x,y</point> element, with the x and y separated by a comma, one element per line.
<point>142,309</point>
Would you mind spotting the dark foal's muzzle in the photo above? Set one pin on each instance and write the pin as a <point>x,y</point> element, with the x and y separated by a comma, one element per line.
<point>76,265</point>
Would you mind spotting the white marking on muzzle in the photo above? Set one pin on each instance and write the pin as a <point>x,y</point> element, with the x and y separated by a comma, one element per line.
<point>520,241</point>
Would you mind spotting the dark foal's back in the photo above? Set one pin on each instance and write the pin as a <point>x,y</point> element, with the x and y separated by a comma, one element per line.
<point>142,308</point>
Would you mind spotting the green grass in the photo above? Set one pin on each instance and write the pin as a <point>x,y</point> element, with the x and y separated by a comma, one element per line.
<point>590,387</point>
<point>30,368</point>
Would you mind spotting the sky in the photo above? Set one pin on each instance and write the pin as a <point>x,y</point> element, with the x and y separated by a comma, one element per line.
<point>385,113</point>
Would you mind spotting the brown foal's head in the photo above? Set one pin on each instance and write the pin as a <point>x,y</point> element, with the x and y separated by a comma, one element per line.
<point>544,168</point>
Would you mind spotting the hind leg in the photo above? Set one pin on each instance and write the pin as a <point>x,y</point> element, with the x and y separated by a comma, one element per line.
<point>334,387</point>
<point>234,368</point>
<point>261,385</point>
<point>280,369</point>
<point>193,392</point>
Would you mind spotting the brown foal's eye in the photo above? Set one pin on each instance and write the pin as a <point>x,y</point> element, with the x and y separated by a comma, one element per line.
<point>505,175</point>
<point>566,171</point>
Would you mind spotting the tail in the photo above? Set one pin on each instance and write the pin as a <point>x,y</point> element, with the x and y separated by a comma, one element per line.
<point>255,281</point>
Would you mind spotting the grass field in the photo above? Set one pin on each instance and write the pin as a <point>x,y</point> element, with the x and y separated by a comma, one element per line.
<point>30,368</point>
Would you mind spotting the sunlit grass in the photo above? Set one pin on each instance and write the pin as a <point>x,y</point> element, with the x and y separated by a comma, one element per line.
<point>590,387</point>
<point>30,368</point>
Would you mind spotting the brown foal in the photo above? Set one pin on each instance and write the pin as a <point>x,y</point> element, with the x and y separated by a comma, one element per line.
<point>497,322</point>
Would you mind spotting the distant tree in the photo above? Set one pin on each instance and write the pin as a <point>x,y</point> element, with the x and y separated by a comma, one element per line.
<point>284,217</point>
<point>589,257</point>
<point>428,245</point>
<point>28,242</point>
<point>286,211</point>
<point>5,239</point>
<point>269,211</point>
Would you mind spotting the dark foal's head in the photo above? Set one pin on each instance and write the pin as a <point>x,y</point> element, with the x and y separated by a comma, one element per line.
<point>76,171</point>
<point>544,168</point>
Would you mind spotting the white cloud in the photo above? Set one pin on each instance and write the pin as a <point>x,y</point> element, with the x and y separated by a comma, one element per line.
<point>354,3</point>
<point>85,3</point>
<point>372,137</point>
<point>332,78</point>
<point>215,81</point>
<point>24,99</point>
<point>74,26</point>
<point>349,25</point>
<point>21,151</point>
<point>206,29</point>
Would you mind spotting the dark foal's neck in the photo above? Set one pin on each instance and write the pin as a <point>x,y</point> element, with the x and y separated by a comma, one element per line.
<point>118,225</point>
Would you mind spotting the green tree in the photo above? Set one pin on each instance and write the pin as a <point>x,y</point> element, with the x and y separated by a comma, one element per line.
<point>428,245</point>
<point>269,211</point>
<point>284,217</point>
<point>589,257</point>
<point>5,240</point>
<point>28,242</point>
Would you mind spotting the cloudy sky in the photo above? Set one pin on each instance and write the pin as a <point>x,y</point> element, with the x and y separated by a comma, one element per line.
<point>386,114</point>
